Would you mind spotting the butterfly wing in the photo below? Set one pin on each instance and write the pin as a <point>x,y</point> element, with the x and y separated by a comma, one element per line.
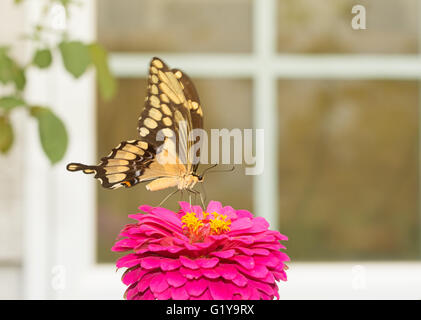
<point>173,106</point>
<point>193,105</point>
<point>172,110</point>
<point>124,166</point>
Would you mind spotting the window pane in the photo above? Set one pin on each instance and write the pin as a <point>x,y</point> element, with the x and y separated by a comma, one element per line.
<point>175,26</point>
<point>311,26</point>
<point>226,104</point>
<point>349,169</point>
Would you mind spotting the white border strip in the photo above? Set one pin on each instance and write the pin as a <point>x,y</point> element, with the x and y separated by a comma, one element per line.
<point>282,66</point>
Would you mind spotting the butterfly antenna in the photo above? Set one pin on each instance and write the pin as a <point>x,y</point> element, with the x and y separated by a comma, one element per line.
<point>167,197</point>
<point>214,171</point>
<point>207,169</point>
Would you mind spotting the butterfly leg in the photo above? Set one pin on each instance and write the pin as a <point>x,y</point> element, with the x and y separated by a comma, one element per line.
<point>195,192</point>
<point>167,197</point>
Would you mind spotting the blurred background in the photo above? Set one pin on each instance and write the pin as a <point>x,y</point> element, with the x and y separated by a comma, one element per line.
<point>340,109</point>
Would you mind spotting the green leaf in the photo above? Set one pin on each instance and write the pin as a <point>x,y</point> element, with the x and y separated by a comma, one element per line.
<point>52,133</point>
<point>76,57</point>
<point>43,58</point>
<point>10,70</point>
<point>19,78</point>
<point>106,81</point>
<point>7,67</point>
<point>6,135</point>
<point>11,102</point>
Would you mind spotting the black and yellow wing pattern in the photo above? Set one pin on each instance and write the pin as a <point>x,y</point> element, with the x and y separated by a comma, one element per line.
<point>172,110</point>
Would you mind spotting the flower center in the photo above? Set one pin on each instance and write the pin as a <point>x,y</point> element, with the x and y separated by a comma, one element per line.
<point>211,224</point>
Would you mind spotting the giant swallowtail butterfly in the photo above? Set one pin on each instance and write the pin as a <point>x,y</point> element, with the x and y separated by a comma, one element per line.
<point>172,110</point>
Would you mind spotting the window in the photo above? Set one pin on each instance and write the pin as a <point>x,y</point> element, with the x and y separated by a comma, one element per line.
<point>340,110</point>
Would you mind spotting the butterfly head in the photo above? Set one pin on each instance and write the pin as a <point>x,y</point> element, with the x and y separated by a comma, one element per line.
<point>199,177</point>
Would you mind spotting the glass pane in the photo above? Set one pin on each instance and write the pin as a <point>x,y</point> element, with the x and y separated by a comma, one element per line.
<point>175,26</point>
<point>349,169</point>
<point>311,26</point>
<point>226,104</point>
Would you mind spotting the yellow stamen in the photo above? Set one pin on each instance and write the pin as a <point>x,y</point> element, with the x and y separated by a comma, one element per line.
<point>191,222</point>
<point>219,223</point>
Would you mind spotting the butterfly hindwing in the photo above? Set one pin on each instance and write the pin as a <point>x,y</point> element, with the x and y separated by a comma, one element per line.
<point>124,166</point>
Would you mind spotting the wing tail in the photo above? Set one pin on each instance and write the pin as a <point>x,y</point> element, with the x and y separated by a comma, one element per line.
<point>81,167</point>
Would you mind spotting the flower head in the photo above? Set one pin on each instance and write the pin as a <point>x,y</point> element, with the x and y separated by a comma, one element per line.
<point>220,253</point>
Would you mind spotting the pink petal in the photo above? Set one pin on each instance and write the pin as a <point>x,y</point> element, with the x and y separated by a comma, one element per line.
<point>124,245</point>
<point>259,271</point>
<point>254,294</point>
<point>188,263</point>
<point>145,208</point>
<point>246,251</point>
<point>245,239</point>
<point>179,293</point>
<point>196,287</point>
<point>224,254</point>
<point>259,224</point>
<point>284,256</point>
<point>207,263</point>
<point>240,280</point>
<point>214,206</point>
<point>261,251</point>
<point>144,284</point>
<point>227,271</point>
<point>185,206</point>
<point>245,261</point>
<point>199,212</point>
<point>205,296</point>
<point>164,295</point>
<point>263,287</point>
<point>170,264</point>
<point>229,212</point>
<point>270,260</point>
<point>158,283</point>
<point>269,278</point>
<point>191,274</point>
<point>220,290</point>
<point>175,278</point>
<point>168,216</point>
<point>132,275</point>
<point>243,292</point>
<point>147,295</point>
<point>240,225</point>
<point>131,292</point>
<point>128,261</point>
<point>244,214</point>
<point>151,262</point>
<point>210,273</point>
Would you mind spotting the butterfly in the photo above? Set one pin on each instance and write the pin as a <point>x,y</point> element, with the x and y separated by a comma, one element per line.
<point>164,154</point>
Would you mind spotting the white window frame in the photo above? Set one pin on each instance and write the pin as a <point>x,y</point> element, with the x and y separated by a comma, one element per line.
<point>60,217</point>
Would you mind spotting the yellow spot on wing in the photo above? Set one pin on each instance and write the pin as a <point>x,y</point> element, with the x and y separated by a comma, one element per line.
<point>155,114</point>
<point>157,63</point>
<point>169,93</point>
<point>150,123</point>
<point>116,177</point>
<point>125,155</point>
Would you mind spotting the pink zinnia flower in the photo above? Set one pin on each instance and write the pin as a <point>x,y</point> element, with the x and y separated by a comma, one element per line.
<point>219,254</point>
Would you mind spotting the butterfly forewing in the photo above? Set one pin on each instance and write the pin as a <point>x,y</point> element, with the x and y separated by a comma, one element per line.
<point>172,110</point>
